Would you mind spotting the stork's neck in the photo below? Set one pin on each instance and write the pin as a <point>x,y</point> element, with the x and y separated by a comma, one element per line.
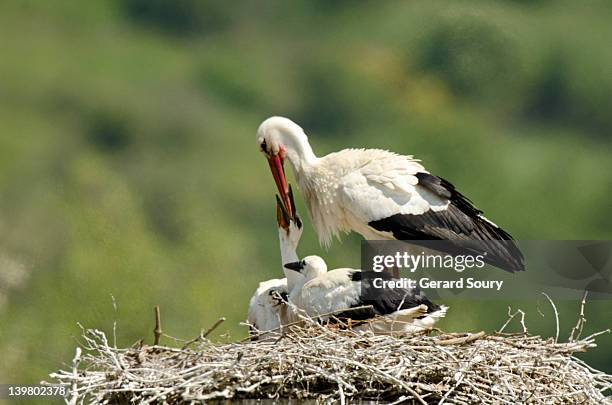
<point>319,185</point>
<point>300,154</point>
<point>289,255</point>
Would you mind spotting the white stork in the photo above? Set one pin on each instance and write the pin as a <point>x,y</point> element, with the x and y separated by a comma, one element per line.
<point>267,307</point>
<point>323,293</point>
<point>381,195</point>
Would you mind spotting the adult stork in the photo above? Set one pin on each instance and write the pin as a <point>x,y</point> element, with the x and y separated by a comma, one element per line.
<point>381,195</point>
<point>267,306</point>
<point>324,293</point>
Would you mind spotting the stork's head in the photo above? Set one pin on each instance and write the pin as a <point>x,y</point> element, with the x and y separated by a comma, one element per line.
<point>310,267</point>
<point>279,138</point>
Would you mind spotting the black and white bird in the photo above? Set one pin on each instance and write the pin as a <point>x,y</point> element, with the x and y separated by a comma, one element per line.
<point>323,294</point>
<point>268,307</point>
<point>380,195</point>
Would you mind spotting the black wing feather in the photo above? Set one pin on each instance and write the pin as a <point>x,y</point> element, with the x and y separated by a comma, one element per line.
<point>461,221</point>
<point>386,303</point>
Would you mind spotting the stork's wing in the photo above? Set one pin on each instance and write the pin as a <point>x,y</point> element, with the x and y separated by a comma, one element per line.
<point>397,195</point>
<point>328,293</point>
<point>392,300</point>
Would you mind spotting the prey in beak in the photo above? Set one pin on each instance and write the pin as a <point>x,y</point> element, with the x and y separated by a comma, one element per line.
<point>296,266</point>
<point>285,215</point>
<point>278,172</point>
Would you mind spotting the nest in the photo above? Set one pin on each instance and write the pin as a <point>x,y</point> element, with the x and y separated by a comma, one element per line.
<point>312,361</point>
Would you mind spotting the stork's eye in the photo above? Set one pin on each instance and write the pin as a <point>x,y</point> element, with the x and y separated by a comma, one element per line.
<point>264,146</point>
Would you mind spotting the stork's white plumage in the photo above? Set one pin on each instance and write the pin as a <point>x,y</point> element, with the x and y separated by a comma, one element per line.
<point>379,194</point>
<point>266,309</point>
<point>267,306</point>
<point>322,293</point>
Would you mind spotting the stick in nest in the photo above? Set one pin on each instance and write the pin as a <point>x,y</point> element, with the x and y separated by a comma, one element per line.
<point>157,332</point>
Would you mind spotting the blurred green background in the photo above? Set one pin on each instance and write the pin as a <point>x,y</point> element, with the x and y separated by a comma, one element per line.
<point>129,170</point>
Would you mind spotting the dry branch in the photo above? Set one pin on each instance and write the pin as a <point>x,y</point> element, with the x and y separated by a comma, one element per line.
<point>157,332</point>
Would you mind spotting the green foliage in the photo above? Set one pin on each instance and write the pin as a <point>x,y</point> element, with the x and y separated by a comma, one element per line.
<point>128,165</point>
<point>180,17</point>
<point>471,55</point>
<point>108,132</point>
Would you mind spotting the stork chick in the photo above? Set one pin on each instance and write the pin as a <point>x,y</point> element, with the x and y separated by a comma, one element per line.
<point>267,307</point>
<point>322,294</point>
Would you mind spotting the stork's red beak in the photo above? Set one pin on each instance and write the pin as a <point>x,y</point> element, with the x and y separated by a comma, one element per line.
<point>278,172</point>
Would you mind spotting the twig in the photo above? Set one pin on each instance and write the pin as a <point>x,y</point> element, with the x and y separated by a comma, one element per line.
<point>204,334</point>
<point>554,307</point>
<point>581,320</point>
<point>75,372</point>
<point>212,328</point>
<point>461,340</point>
<point>511,317</point>
<point>114,321</point>
<point>157,332</point>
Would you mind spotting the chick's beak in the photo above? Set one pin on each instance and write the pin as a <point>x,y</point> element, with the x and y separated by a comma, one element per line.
<point>296,266</point>
<point>283,218</point>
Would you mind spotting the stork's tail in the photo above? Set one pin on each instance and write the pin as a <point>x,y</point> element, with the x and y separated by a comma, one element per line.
<point>426,321</point>
<point>411,320</point>
<point>429,320</point>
